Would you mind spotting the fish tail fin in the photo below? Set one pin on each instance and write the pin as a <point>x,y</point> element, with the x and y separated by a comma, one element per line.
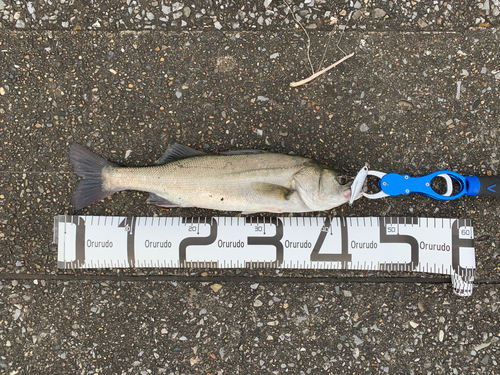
<point>89,167</point>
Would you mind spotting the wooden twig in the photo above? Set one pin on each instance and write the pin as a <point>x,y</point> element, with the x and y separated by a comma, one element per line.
<point>317,74</point>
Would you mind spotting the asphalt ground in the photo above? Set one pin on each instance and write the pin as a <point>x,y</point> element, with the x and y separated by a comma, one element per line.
<point>128,79</point>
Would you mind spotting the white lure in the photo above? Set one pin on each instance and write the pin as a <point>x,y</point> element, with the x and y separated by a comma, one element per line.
<point>358,184</point>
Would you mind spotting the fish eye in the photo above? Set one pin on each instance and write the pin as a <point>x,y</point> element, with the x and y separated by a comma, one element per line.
<point>342,180</point>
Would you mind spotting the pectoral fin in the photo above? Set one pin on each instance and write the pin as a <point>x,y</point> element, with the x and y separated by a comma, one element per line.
<point>272,191</point>
<point>159,201</point>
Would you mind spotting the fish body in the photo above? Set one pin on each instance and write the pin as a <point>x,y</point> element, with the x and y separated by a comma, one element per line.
<point>239,181</point>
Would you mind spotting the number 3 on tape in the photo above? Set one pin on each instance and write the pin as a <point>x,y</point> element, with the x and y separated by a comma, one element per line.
<point>443,246</point>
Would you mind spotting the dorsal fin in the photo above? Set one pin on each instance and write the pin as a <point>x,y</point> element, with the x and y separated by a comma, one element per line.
<point>176,152</point>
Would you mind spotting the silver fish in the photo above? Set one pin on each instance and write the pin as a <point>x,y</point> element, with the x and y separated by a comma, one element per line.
<point>249,181</point>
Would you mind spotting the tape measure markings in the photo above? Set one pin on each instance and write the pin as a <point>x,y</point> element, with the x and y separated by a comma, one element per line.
<point>324,233</point>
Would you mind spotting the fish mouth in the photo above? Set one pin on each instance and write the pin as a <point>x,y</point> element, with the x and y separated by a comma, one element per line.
<point>347,193</point>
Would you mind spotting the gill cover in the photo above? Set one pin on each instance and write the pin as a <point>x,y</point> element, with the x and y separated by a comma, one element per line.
<point>319,187</point>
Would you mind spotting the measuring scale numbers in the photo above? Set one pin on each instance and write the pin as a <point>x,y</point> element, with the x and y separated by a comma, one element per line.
<point>444,246</point>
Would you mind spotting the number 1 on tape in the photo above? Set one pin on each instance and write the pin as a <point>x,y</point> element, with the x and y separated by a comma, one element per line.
<point>443,246</point>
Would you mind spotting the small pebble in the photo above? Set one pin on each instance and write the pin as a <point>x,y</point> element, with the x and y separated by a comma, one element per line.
<point>215,287</point>
<point>406,104</point>
<point>378,13</point>
<point>422,23</point>
<point>357,340</point>
<point>17,314</point>
<point>485,359</point>
<point>177,6</point>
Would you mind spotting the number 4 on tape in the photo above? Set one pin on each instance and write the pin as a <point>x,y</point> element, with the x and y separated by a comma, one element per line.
<point>443,246</point>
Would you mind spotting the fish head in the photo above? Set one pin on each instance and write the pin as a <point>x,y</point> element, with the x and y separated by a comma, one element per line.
<point>322,188</point>
<point>335,187</point>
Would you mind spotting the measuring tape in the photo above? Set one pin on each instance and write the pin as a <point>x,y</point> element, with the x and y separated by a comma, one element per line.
<point>442,246</point>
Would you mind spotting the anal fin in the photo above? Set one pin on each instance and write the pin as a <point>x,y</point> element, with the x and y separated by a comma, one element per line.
<point>159,201</point>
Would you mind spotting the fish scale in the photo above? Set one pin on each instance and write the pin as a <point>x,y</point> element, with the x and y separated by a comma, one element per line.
<point>225,185</point>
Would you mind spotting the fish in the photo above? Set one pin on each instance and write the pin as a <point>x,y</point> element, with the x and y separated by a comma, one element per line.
<point>247,181</point>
